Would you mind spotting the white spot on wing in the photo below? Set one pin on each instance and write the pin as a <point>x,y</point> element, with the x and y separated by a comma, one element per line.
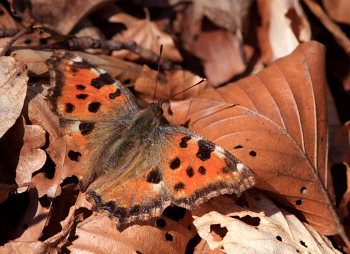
<point>102,71</point>
<point>157,186</point>
<point>77,59</point>
<point>240,167</point>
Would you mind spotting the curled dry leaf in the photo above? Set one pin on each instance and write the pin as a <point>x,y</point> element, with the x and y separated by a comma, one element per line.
<point>284,24</point>
<point>146,34</point>
<point>279,130</point>
<point>261,228</point>
<point>31,157</point>
<point>13,87</point>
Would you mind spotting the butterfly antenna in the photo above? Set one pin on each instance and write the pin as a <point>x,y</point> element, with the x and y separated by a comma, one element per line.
<point>157,77</point>
<point>188,88</point>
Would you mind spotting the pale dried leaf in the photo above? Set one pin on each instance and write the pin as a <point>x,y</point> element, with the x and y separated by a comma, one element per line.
<point>284,24</point>
<point>263,228</point>
<point>13,87</point>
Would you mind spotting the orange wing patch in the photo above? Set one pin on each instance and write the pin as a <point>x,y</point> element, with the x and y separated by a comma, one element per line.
<point>83,92</point>
<point>129,200</point>
<point>198,170</point>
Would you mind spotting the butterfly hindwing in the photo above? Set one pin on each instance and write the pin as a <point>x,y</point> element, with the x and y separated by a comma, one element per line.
<point>180,167</point>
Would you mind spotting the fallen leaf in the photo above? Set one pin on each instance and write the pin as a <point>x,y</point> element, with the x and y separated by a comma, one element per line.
<point>147,35</point>
<point>13,87</point>
<point>276,123</point>
<point>31,157</point>
<point>284,25</point>
<point>168,84</point>
<point>220,63</point>
<point>242,231</point>
<point>168,237</point>
<point>63,17</point>
<point>338,10</point>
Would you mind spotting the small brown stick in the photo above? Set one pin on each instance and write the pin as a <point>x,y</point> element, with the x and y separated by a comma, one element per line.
<point>81,43</point>
<point>338,34</point>
<point>9,32</point>
<point>14,39</point>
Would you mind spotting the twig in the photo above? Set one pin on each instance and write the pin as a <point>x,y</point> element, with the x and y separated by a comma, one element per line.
<point>338,34</point>
<point>14,39</point>
<point>9,32</point>
<point>82,43</point>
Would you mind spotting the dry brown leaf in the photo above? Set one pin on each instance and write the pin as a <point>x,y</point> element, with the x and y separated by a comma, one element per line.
<point>23,247</point>
<point>146,34</point>
<point>221,63</point>
<point>284,25</point>
<point>279,130</point>
<point>171,238</point>
<point>61,15</point>
<point>338,10</point>
<point>260,228</point>
<point>171,83</point>
<point>13,87</point>
<point>31,157</point>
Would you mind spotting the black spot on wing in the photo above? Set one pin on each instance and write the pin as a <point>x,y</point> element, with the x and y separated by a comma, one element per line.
<point>80,87</point>
<point>205,149</point>
<point>202,170</point>
<point>69,108</point>
<point>94,107</point>
<point>190,171</point>
<point>82,96</point>
<point>86,128</point>
<point>116,94</point>
<point>102,80</point>
<point>179,186</point>
<point>154,176</point>
<point>183,143</point>
<point>175,163</point>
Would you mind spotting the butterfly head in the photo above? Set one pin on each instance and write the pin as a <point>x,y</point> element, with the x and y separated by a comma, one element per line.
<point>147,119</point>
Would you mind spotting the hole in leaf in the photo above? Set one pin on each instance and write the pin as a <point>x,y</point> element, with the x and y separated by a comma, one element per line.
<point>161,223</point>
<point>279,238</point>
<point>238,147</point>
<point>218,230</point>
<point>298,202</point>
<point>74,156</point>
<point>252,153</point>
<point>303,190</point>
<point>28,41</point>
<point>45,201</point>
<point>169,237</point>
<point>303,243</point>
<point>253,221</point>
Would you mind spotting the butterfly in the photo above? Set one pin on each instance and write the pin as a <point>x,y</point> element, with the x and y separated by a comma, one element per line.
<point>134,166</point>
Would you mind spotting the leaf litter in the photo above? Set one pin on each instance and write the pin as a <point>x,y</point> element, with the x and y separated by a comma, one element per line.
<point>274,120</point>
